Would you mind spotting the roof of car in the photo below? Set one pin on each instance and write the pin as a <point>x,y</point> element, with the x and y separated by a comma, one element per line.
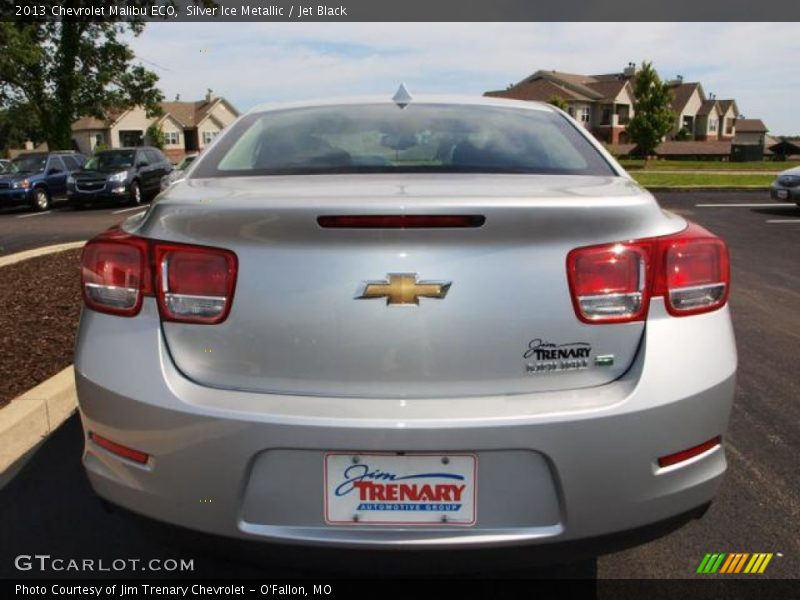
<point>416,99</point>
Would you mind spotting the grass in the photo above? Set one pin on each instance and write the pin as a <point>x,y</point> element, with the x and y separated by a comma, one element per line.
<point>709,165</point>
<point>651,179</point>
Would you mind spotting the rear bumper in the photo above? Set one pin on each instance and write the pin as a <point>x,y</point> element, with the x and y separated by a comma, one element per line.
<point>555,468</point>
<point>785,194</point>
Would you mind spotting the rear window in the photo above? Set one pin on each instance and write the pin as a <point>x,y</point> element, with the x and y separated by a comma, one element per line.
<point>382,138</point>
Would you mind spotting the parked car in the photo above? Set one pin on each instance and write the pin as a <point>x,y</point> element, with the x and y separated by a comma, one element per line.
<point>179,171</point>
<point>130,175</point>
<point>786,186</point>
<point>38,179</point>
<point>441,323</point>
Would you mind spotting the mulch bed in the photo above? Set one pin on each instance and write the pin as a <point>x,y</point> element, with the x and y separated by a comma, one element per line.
<point>40,303</point>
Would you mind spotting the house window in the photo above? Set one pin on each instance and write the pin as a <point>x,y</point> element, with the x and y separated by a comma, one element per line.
<point>729,126</point>
<point>208,136</point>
<point>712,124</point>
<point>99,139</point>
<point>585,114</point>
<point>172,138</point>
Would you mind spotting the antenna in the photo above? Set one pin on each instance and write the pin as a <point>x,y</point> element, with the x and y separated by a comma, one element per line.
<point>401,97</point>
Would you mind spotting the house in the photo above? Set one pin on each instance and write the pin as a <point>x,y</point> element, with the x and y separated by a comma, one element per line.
<point>187,126</point>
<point>681,150</point>
<point>750,132</point>
<point>699,117</point>
<point>604,104</point>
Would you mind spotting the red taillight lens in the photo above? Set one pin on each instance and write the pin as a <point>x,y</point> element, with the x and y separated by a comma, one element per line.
<point>193,284</point>
<point>613,283</point>
<point>609,282</point>
<point>119,449</point>
<point>695,273</point>
<point>684,455</point>
<point>115,273</point>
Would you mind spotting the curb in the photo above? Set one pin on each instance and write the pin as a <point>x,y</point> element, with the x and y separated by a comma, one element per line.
<point>25,255</point>
<point>35,414</point>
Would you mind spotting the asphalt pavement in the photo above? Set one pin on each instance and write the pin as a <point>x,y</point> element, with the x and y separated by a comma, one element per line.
<point>49,508</point>
<point>21,229</point>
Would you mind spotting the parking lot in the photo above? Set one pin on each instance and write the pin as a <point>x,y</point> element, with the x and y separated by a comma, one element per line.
<point>49,508</point>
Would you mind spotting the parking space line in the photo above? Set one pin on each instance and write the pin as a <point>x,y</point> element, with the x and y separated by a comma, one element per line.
<point>783,220</point>
<point>124,210</point>
<point>36,214</point>
<point>750,205</point>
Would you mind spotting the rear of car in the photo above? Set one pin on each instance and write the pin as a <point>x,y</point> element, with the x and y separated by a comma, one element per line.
<point>440,324</point>
<point>786,186</point>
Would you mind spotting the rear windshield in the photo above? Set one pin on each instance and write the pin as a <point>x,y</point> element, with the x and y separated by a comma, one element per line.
<point>382,138</point>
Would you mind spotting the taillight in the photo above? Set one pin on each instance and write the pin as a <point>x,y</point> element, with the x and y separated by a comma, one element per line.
<point>694,274</point>
<point>609,283</point>
<point>192,284</point>
<point>613,283</point>
<point>115,273</point>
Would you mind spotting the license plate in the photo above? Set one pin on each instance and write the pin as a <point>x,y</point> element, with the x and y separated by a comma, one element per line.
<point>400,489</point>
<point>783,194</point>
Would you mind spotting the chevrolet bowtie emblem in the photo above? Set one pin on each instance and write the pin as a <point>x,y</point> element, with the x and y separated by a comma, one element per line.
<point>403,288</point>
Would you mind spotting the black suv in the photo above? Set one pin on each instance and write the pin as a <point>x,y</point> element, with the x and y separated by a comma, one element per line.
<point>37,179</point>
<point>126,174</point>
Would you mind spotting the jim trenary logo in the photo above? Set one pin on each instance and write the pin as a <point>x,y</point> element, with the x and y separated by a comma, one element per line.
<point>734,562</point>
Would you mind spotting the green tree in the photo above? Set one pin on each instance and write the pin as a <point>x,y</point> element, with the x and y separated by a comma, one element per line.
<point>558,102</point>
<point>67,69</point>
<point>155,136</point>
<point>653,116</point>
<point>18,124</point>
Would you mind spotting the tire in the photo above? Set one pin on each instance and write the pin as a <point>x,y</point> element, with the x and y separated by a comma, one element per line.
<point>41,199</point>
<point>136,196</point>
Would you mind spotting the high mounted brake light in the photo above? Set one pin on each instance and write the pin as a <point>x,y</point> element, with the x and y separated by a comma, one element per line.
<point>613,283</point>
<point>192,284</point>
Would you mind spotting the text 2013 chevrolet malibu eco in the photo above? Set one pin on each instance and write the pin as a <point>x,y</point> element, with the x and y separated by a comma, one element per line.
<point>428,323</point>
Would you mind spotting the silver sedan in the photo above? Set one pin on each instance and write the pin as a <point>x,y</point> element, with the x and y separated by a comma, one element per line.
<point>786,186</point>
<point>428,322</point>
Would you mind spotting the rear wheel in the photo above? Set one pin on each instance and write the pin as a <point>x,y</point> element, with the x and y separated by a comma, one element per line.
<point>136,197</point>
<point>41,199</point>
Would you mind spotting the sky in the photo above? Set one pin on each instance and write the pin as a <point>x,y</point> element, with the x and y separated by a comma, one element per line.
<point>251,63</point>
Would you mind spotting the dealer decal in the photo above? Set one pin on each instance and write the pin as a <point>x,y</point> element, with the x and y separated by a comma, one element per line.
<point>547,357</point>
<point>401,488</point>
<point>374,493</point>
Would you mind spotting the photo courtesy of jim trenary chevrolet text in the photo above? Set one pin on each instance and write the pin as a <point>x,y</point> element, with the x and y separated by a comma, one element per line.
<point>337,299</point>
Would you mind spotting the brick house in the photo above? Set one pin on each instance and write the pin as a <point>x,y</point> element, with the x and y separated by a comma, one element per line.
<point>187,126</point>
<point>604,104</point>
